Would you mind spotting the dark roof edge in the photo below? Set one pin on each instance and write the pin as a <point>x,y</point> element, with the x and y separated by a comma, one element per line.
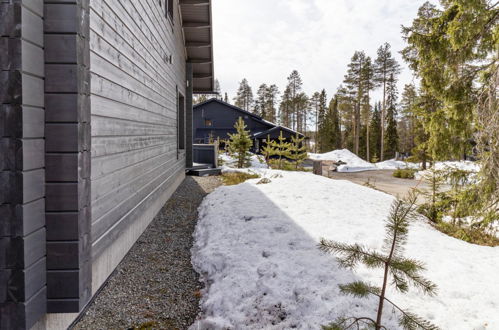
<point>231,106</point>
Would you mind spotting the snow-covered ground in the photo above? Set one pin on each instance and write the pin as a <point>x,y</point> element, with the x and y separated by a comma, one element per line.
<point>393,164</point>
<point>256,250</point>
<point>229,162</point>
<point>357,164</point>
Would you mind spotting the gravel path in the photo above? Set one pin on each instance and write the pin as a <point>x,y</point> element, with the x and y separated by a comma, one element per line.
<point>155,286</point>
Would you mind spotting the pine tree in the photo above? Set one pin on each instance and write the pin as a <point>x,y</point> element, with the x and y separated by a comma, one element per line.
<point>269,150</point>
<point>261,101</point>
<point>408,120</point>
<point>314,105</point>
<point>240,143</point>
<point>369,85</point>
<point>375,133</point>
<point>285,108</point>
<point>302,112</point>
<point>354,81</point>
<point>398,270</point>
<point>218,90</point>
<point>331,131</point>
<point>282,150</point>
<point>294,88</point>
<point>226,98</point>
<point>385,66</point>
<point>244,98</point>
<point>346,106</point>
<point>271,95</point>
<point>297,150</point>
<point>391,145</point>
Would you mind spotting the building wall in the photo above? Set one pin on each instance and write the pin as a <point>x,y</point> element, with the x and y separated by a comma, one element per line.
<point>137,67</point>
<point>223,119</point>
<point>89,138</point>
<point>22,166</point>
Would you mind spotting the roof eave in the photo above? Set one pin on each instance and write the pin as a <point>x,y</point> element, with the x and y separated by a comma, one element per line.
<point>197,25</point>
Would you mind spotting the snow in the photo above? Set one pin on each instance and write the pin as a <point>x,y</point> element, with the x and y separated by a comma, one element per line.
<point>230,162</point>
<point>464,165</point>
<point>393,164</point>
<point>353,162</point>
<point>256,250</point>
<point>357,164</point>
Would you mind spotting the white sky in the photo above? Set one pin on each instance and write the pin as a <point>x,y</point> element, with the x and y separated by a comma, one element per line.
<point>264,40</point>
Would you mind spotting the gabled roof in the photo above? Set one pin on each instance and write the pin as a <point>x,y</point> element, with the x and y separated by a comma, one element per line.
<point>277,128</point>
<point>272,126</point>
<point>233,107</point>
<point>197,27</point>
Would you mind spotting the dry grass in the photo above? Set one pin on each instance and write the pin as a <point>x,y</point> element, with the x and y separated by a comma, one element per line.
<point>471,235</point>
<point>231,179</point>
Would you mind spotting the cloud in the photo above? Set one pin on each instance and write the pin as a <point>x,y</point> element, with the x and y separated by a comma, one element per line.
<point>264,40</point>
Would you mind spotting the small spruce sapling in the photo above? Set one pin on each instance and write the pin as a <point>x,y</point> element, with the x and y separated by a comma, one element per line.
<point>431,209</point>
<point>240,143</point>
<point>298,150</point>
<point>398,270</point>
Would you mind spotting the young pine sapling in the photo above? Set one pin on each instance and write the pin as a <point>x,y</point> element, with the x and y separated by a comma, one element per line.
<point>282,150</point>
<point>268,151</point>
<point>398,270</point>
<point>298,150</point>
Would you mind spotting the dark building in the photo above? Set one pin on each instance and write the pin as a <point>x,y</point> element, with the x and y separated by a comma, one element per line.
<point>215,119</point>
<point>95,136</point>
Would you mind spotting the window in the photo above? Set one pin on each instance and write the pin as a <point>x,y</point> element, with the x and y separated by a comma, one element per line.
<point>208,123</point>
<point>169,9</point>
<point>181,122</point>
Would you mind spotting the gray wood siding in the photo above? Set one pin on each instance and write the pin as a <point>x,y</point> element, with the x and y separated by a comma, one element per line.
<point>22,174</point>
<point>134,111</point>
<point>67,145</point>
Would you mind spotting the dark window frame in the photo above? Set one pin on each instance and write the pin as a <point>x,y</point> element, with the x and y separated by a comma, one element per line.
<point>181,124</point>
<point>169,10</point>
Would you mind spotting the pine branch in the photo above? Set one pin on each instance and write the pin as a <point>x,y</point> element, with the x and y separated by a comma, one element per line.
<point>350,255</point>
<point>410,321</point>
<point>359,289</point>
<point>418,281</point>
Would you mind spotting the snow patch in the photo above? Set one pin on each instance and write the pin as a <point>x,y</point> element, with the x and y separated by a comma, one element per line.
<point>464,165</point>
<point>353,162</point>
<point>256,250</point>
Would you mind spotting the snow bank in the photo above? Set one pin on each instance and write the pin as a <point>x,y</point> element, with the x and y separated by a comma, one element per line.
<point>464,165</point>
<point>393,164</point>
<point>255,161</point>
<point>357,164</point>
<point>256,250</point>
<point>353,162</point>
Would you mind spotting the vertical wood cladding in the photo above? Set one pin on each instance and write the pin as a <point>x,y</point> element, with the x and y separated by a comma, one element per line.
<point>137,59</point>
<point>67,157</point>
<point>22,174</point>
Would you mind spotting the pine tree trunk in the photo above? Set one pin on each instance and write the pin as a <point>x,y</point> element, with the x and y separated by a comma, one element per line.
<point>357,128</point>
<point>316,128</point>
<point>382,151</point>
<point>368,153</point>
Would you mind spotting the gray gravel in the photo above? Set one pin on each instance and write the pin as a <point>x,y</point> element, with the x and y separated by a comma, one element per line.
<point>155,287</point>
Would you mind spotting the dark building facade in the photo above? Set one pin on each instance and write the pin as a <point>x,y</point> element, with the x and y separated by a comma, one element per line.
<point>95,136</point>
<point>215,119</point>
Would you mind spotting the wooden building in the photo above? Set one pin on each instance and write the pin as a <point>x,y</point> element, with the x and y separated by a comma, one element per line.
<point>95,136</point>
<point>215,119</point>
